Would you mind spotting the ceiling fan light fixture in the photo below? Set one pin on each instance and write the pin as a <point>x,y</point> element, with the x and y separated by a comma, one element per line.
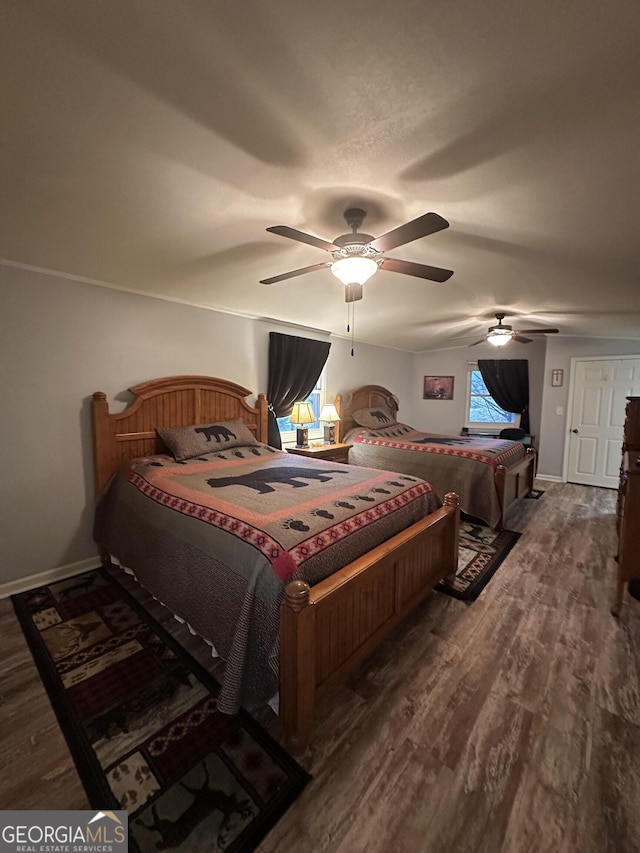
<point>354,270</point>
<point>498,338</point>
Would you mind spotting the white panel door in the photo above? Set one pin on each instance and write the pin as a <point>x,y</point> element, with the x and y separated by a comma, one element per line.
<point>599,401</point>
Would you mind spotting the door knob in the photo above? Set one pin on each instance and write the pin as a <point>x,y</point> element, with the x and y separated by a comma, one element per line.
<point>574,430</point>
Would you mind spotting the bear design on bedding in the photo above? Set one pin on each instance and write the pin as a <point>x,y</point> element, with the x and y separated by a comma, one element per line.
<point>216,540</point>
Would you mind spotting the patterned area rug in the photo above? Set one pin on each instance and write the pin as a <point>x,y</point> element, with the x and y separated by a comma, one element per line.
<point>139,715</point>
<point>534,494</point>
<point>480,552</point>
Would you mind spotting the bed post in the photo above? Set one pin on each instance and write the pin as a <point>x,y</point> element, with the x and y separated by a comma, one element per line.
<point>263,418</point>
<point>103,444</point>
<point>339,431</point>
<point>451,500</point>
<point>501,483</point>
<point>103,441</point>
<point>531,471</point>
<point>297,665</point>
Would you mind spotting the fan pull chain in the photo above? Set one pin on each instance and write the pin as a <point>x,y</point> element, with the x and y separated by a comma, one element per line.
<point>351,321</point>
<point>353,324</point>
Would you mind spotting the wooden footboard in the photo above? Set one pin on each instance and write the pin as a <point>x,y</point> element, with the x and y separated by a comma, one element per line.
<point>328,629</point>
<point>515,482</point>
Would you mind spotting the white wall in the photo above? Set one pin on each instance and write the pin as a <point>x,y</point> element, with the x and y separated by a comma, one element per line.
<point>554,427</point>
<point>60,341</point>
<point>448,416</point>
<point>369,366</point>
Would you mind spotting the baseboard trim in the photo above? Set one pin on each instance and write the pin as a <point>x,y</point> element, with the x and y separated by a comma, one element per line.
<point>50,576</point>
<point>550,478</point>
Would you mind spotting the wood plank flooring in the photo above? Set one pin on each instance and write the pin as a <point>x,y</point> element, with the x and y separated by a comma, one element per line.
<point>508,725</point>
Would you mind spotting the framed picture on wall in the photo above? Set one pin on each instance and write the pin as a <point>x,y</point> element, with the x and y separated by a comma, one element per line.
<point>438,388</point>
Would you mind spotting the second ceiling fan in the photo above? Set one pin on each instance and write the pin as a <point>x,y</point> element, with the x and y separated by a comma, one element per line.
<point>502,333</point>
<point>357,256</point>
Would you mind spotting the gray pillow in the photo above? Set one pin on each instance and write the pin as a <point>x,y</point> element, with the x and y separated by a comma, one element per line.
<point>374,418</point>
<point>187,442</point>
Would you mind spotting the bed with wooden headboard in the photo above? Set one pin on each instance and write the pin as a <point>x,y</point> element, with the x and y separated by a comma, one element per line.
<point>490,476</point>
<point>326,629</point>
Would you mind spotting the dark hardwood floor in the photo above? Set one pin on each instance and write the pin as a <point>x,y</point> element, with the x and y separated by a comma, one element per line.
<point>508,725</point>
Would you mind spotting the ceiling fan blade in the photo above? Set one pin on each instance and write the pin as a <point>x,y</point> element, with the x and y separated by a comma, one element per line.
<point>301,237</point>
<point>475,343</point>
<point>520,339</point>
<point>294,273</point>
<point>538,331</point>
<point>424,225</point>
<point>419,270</point>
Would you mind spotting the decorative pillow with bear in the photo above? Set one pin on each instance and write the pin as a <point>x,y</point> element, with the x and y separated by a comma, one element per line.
<point>187,442</point>
<point>374,418</point>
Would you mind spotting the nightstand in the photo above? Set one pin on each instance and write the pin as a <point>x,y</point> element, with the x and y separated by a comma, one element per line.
<point>332,452</point>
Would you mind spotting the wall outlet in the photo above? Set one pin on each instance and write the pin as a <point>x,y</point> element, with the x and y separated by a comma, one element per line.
<point>559,410</point>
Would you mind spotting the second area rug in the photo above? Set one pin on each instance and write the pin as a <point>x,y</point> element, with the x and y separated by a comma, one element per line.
<point>480,552</point>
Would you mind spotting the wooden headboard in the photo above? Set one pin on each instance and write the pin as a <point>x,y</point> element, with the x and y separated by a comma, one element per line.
<point>364,397</point>
<point>170,402</point>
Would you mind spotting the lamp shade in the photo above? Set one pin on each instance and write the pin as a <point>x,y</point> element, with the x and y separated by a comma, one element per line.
<point>354,270</point>
<point>498,338</point>
<point>329,413</point>
<point>302,413</point>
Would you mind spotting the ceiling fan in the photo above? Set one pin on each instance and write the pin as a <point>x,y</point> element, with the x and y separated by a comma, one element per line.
<point>357,256</point>
<point>502,333</point>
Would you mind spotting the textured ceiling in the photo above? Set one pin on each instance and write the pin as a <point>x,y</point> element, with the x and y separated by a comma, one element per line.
<point>148,145</point>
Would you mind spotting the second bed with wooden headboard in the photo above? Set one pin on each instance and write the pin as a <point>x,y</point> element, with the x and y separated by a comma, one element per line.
<point>489,475</point>
<point>283,563</point>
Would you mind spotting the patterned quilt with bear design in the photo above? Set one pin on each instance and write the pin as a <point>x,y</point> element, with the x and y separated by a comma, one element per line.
<point>217,537</point>
<point>460,464</point>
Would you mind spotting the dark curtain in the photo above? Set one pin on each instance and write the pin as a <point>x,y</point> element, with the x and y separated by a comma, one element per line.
<point>507,380</point>
<point>294,367</point>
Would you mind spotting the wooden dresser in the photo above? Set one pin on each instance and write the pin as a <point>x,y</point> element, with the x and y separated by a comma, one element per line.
<point>628,513</point>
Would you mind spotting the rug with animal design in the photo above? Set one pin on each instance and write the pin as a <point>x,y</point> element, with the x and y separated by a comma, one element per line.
<point>141,719</point>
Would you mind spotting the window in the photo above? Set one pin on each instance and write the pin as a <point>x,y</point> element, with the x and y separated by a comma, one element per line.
<point>288,430</point>
<point>482,411</point>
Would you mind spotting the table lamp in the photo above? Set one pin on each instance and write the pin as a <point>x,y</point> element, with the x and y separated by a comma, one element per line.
<point>330,417</point>
<point>302,414</point>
